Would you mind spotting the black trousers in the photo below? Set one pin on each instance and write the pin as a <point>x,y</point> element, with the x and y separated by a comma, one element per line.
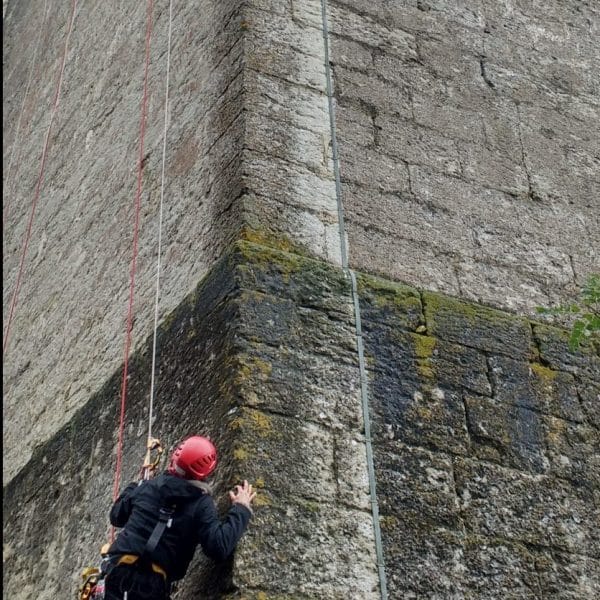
<point>138,583</point>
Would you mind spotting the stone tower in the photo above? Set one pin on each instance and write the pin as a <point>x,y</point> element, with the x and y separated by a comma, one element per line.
<point>364,202</point>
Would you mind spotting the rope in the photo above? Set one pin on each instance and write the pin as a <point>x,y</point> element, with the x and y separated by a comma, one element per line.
<point>160,222</point>
<point>138,196</point>
<point>18,128</point>
<point>357,315</point>
<point>38,186</point>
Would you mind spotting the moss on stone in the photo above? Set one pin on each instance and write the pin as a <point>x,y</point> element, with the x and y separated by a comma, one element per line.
<point>266,238</point>
<point>556,430</point>
<point>544,374</point>
<point>388,522</point>
<point>241,454</point>
<point>261,500</point>
<point>255,421</point>
<point>424,346</point>
<point>262,255</point>
<point>388,293</point>
<point>252,366</point>
<point>435,302</point>
<point>310,505</point>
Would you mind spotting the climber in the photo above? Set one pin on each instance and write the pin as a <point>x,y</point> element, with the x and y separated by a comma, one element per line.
<point>165,518</point>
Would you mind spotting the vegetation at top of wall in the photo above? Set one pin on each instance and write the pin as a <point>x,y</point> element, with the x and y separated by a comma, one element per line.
<point>583,314</point>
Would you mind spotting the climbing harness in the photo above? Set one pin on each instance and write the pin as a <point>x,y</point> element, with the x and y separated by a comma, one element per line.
<point>92,587</point>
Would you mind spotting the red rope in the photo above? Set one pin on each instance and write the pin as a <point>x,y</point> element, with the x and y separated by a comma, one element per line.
<point>138,197</point>
<point>38,186</point>
<point>10,171</point>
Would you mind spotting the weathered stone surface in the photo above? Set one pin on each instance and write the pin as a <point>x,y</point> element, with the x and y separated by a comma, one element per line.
<point>533,509</point>
<point>304,531</point>
<point>467,135</point>
<point>478,491</point>
<point>478,327</point>
<point>589,394</point>
<point>69,322</point>
<point>553,344</point>
<point>534,386</point>
<point>416,486</point>
<point>223,366</point>
<point>568,576</point>
<point>497,568</point>
<point>510,435</point>
<point>422,561</point>
<point>494,110</point>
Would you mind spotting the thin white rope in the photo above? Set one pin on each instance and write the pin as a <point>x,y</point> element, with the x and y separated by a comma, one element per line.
<point>160,222</point>
<point>18,128</point>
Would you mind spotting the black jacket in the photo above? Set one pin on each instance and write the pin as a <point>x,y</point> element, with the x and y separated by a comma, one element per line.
<point>195,521</point>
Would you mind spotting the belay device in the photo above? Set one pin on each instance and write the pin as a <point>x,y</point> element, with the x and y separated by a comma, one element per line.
<point>92,587</point>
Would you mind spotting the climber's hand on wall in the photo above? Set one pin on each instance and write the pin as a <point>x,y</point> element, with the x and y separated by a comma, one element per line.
<point>242,494</point>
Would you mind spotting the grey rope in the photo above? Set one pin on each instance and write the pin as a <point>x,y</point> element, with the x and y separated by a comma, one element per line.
<point>357,316</point>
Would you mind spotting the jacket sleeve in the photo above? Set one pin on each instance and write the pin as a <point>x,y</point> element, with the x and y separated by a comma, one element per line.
<point>219,538</point>
<point>119,513</point>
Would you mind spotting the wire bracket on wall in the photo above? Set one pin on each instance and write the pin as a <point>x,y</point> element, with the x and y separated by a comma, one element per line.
<point>357,315</point>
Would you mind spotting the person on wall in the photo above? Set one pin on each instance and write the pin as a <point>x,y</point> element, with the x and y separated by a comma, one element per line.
<point>164,519</point>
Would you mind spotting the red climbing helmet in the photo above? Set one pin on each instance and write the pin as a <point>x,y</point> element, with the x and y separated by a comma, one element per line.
<point>194,458</point>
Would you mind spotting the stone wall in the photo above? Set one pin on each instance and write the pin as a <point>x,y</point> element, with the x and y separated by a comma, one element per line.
<point>487,448</point>
<point>68,332</point>
<point>262,358</point>
<point>468,136</point>
<point>467,146</point>
<point>468,166</point>
<point>485,432</point>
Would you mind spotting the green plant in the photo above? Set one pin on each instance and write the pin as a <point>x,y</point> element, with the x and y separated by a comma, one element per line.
<point>584,312</point>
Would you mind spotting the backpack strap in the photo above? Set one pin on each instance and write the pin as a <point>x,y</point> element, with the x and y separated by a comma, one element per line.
<point>165,520</point>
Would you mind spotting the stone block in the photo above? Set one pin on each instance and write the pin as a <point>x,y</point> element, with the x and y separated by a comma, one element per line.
<point>373,169</point>
<point>461,368</point>
<point>350,54</point>
<point>280,452</point>
<point>414,409</point>
<point>288,142</point>
<point>309,532</point>
<point>509,435</point>
<point>368,31</point>
<point>492,169</point>
<point>298,384</point>
<point>477,326</point>
<point>589,395</point>
<point>536,387</point>
<point>388,303</point>
<point>289,183</point>
<point>400,258</point>
<point>416,145</point>
<point>365,90</point>
<point>573,451</point>
<point>454,123</point>
<point>498,568</point>
<point>422,560</point>
<point>568,576</point>
<point>415,486</point>
<point>294,52</point>
<point>554,351</point>
<point>501,502</point>
<point>354,127</point>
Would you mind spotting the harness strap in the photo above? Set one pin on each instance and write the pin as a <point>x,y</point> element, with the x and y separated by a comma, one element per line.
<point>165,520</point>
